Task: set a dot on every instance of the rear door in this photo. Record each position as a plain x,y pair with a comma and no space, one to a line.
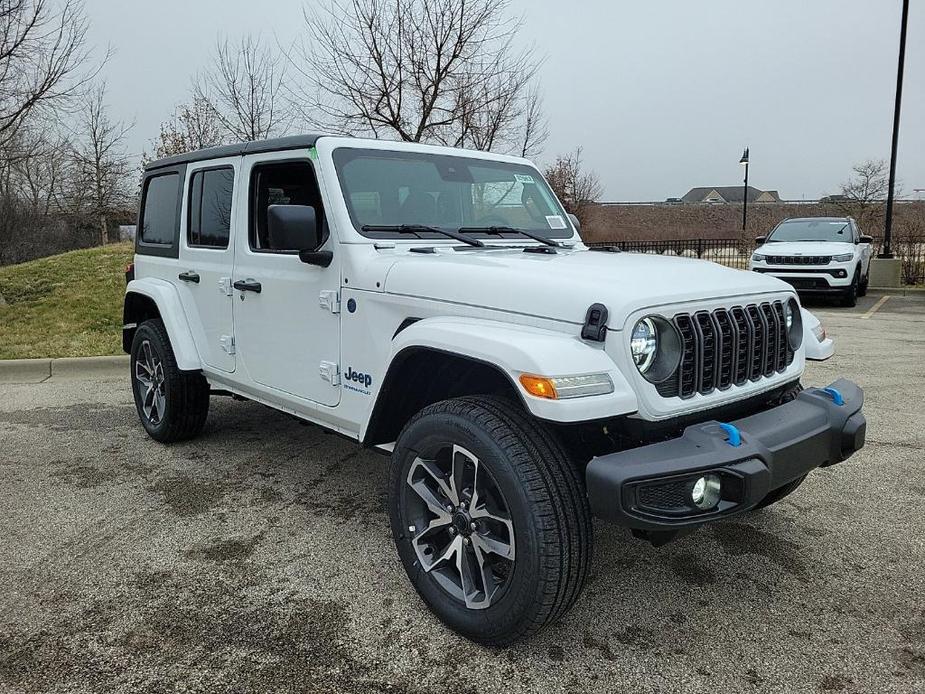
287,330
207,258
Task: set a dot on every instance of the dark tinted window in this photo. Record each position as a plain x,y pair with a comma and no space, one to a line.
159,219
285,183
210,207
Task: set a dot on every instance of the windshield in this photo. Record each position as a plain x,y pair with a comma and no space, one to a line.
812,230
386,188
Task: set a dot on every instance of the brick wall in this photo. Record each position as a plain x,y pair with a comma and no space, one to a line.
617,222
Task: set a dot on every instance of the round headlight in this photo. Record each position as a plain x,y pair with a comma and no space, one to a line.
644,344
794,320
656,348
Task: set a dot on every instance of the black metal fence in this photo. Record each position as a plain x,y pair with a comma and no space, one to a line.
735,252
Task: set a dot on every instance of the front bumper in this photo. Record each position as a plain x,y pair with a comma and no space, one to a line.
649,488
833,278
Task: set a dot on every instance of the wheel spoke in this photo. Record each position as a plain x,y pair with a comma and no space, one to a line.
458,469
161,403
147,403
454,547
489,582
429,467
149,358
492,545
142,373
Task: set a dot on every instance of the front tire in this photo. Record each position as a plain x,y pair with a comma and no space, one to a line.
862,288
850,297
172,404
490,518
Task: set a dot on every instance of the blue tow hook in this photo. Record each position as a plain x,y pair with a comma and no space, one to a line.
733,437
835,395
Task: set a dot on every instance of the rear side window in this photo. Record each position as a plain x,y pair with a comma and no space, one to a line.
210,208
159,216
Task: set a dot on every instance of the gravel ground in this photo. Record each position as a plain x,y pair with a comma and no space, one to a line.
258,558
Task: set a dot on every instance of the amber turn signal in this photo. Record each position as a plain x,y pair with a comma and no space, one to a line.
538,386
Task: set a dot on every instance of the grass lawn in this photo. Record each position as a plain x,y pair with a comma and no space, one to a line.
67,305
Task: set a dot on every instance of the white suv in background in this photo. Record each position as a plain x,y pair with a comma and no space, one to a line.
824,255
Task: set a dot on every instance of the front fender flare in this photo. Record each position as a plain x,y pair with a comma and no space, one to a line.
519,349
165,297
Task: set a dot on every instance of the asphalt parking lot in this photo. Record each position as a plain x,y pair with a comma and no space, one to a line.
258,558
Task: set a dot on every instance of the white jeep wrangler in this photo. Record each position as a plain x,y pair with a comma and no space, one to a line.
439,305
817,255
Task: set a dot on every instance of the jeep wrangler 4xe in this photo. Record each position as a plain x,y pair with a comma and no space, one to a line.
439,305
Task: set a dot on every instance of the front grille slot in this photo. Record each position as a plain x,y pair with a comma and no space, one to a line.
728,347
799,259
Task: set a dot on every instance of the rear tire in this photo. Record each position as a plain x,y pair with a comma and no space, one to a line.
172,404
541,519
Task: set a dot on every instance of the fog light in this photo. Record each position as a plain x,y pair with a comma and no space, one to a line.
705,492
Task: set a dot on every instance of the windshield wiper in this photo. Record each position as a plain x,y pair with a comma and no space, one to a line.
414,228
510,230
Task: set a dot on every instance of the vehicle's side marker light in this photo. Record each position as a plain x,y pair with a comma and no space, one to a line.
733,437
835,395
539,386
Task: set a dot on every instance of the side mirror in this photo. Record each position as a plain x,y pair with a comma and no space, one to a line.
760,240
319,258
864,238
292,228
575,222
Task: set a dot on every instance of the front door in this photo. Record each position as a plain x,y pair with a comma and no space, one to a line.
206,259
285,339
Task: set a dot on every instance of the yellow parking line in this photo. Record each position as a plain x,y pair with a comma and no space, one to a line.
876,307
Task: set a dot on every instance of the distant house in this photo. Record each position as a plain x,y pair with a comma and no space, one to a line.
729,194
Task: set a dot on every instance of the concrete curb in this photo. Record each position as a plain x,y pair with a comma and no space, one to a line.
64,368
898,291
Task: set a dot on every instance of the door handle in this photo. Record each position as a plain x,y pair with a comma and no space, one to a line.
189,276
248,285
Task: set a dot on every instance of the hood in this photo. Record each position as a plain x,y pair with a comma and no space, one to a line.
562,286
806,248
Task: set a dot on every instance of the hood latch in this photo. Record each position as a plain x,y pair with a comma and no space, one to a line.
595,327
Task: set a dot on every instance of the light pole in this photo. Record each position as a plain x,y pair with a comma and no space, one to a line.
744,162
887,251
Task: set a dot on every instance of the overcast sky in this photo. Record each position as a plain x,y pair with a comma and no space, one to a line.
662,95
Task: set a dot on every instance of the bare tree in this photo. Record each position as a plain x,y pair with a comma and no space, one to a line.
192,126
864,193
869,182
441,71
102,167
43,58
243,88
575,187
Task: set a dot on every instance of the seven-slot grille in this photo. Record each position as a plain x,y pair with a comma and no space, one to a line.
799,259
726,347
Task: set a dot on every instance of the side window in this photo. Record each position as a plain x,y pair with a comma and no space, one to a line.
283,183
159,212
209,219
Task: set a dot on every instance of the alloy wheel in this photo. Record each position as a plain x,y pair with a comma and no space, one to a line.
149,380
460,526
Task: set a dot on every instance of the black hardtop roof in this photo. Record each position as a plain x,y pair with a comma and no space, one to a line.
278,144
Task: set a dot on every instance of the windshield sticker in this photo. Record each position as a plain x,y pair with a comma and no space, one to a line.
555,221
523,178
